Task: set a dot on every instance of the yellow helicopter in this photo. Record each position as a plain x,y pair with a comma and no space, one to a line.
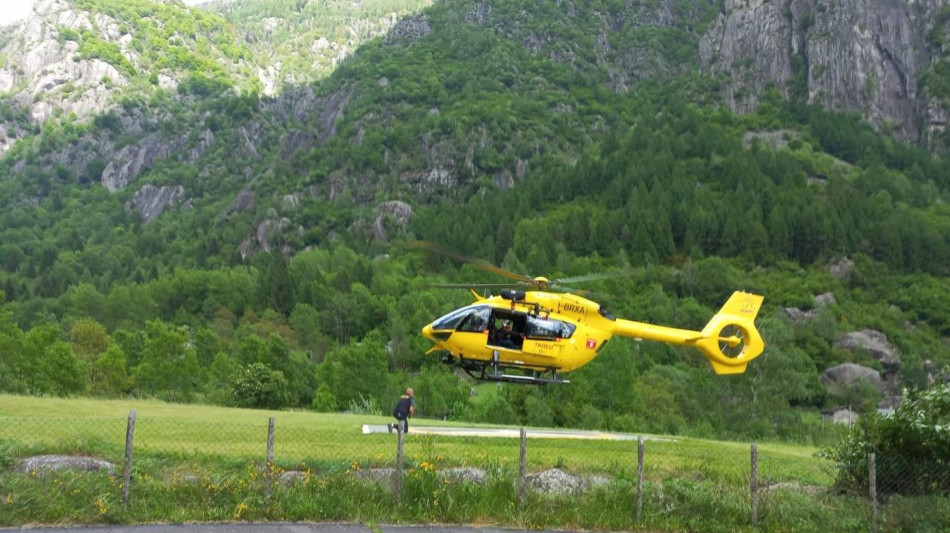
541,333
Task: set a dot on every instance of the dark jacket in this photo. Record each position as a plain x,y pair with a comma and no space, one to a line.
402,407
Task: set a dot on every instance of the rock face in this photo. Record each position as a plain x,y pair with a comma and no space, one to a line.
863,56
152,201
874,342
408,30
45,73
401,212
836,378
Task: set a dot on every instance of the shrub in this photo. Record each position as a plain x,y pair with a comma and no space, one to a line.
910,444
256,385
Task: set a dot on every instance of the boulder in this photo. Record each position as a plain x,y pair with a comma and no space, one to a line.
874,342
50,463
554,481
465,475
842,270
291,478
838,377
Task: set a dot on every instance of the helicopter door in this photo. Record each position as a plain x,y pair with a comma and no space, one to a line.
506,330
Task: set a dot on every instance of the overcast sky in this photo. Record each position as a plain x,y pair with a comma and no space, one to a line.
13,10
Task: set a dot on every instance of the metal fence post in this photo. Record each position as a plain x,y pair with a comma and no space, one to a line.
521,465
639,478
399,443
754,484
872,489
127,471
271,422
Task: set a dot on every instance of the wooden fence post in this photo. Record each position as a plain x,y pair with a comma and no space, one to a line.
271,422
754,484
127,471
639,478
522,460
872,489
398,473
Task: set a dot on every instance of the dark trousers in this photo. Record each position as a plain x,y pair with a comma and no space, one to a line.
403,420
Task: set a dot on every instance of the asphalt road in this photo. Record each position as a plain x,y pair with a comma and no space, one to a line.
266,528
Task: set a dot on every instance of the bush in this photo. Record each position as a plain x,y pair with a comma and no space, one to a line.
257,386
905,442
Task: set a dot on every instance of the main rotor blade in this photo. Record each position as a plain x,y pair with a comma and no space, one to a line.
589,277
484,265
476,285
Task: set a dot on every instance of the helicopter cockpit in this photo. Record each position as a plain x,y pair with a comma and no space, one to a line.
504,328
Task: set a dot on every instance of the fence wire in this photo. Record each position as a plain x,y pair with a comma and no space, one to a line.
680,482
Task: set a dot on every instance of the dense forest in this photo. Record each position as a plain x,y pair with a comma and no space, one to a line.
512,150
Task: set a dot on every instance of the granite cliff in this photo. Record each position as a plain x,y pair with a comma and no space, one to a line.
873,57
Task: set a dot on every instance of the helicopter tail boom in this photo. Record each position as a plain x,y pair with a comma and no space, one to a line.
729,340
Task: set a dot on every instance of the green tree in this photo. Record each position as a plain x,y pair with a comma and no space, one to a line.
260,387
111,371
169,367
65,373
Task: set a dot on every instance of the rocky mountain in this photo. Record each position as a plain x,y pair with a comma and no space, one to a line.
209,168
304,41
885,59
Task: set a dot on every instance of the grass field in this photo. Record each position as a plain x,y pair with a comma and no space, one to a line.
99,426
195,463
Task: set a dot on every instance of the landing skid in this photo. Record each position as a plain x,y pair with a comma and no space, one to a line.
494,371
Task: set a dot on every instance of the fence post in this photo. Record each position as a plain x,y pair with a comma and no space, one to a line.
639,478
872,489
521,465
398,473
754,484
271,422
127,471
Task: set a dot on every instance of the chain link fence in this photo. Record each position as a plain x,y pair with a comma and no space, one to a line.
220,468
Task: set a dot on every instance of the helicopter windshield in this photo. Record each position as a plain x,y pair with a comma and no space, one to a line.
452,320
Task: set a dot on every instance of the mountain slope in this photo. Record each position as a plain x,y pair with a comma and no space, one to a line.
555,138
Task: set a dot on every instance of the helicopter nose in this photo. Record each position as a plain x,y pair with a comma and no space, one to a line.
427,332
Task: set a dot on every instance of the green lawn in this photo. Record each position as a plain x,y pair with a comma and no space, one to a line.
99,426
195,463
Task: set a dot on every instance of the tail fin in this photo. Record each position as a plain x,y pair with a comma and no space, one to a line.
730,339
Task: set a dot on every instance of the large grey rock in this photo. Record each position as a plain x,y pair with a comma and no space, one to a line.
554,481
874,342
480,13
152,201
863,56
400,211
408,30
842,270
825,299
465,475
836,378
42,464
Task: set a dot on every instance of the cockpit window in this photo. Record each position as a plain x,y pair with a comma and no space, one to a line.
476,321
453,319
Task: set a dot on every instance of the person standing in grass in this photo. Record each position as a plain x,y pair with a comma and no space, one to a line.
405,407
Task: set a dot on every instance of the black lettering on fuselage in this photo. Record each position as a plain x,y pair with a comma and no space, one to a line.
573,308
